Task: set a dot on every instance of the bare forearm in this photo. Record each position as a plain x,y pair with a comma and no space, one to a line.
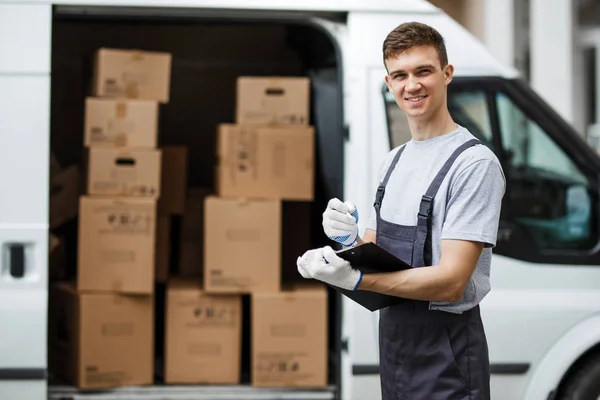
433,283
368,237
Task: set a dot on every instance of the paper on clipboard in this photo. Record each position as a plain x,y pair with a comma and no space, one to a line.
370,258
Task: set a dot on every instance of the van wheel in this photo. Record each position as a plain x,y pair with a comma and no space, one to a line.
584,383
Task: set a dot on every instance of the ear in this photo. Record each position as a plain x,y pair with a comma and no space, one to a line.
388,83
448,73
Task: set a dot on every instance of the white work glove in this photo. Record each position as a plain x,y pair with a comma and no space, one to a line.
340,222
326,266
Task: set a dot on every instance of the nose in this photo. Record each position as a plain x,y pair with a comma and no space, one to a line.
412,84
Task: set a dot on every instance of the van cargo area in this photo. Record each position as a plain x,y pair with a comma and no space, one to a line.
209,51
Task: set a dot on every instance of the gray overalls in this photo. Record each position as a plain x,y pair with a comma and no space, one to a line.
427,354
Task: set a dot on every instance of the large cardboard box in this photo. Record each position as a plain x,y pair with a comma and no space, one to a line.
123,172
163,248
266,162
203,335
242,245
100,340
289,338
173,181
121,122
191,234
64,196
273,100
133,74
116,244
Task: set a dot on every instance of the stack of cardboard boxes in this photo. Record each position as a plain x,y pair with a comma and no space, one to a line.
237,242
265,173
102,326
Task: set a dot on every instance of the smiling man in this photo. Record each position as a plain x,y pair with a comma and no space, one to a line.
437,208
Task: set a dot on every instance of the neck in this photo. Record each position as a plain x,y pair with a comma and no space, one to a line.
432,126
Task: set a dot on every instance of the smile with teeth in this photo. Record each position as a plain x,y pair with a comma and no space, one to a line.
415,99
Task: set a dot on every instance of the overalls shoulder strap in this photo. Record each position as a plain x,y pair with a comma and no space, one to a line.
426,207
382,185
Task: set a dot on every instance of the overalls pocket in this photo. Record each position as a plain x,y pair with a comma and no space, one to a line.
401,247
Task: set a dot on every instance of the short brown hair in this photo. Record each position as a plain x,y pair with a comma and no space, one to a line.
413,34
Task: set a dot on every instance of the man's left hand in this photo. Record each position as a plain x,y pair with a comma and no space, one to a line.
324,265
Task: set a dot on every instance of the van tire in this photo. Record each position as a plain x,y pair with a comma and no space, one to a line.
584,382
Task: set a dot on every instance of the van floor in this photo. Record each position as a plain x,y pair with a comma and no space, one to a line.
191,393
208,56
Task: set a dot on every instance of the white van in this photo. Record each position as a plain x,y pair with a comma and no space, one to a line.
542,316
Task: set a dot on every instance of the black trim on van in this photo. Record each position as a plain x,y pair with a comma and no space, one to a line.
365,369
509,368
23,374
495,369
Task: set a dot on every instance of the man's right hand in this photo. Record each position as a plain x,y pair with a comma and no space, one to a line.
340,222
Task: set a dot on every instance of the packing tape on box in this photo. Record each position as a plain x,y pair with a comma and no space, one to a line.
121,140
243,201
137,55
121,109
117,286
132,90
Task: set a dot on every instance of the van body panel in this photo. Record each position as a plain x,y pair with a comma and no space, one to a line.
24,198
296,5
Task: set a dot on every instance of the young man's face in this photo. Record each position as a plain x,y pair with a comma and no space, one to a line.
418,81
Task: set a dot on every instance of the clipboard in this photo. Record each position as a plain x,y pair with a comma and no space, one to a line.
370,258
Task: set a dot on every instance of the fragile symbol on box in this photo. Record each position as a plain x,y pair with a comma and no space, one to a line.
145,190
293,119
219,314
279,366
245,150
131,220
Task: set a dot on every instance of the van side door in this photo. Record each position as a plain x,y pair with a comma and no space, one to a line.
25,31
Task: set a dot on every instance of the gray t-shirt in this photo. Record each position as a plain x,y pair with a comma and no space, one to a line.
466,207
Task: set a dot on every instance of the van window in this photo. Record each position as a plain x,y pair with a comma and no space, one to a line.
549,195
470,109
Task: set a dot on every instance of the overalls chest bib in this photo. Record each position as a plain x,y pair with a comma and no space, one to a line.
427,354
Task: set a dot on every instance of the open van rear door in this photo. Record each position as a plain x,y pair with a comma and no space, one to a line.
24,153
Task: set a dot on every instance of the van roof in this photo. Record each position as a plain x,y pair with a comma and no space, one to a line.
298,5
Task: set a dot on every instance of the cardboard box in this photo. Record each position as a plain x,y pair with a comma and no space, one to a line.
203,335
266,162
242,245
64,196
123,172
116,244
121,122
273,100
289,338
100,340
133,74
163,248
173,181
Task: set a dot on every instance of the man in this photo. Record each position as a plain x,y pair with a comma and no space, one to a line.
437,208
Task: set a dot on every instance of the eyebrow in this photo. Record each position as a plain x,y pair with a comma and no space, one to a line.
430,66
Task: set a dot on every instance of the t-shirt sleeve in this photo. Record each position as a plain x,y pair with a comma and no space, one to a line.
474,203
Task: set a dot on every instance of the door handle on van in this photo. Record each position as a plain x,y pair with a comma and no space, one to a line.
16,256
